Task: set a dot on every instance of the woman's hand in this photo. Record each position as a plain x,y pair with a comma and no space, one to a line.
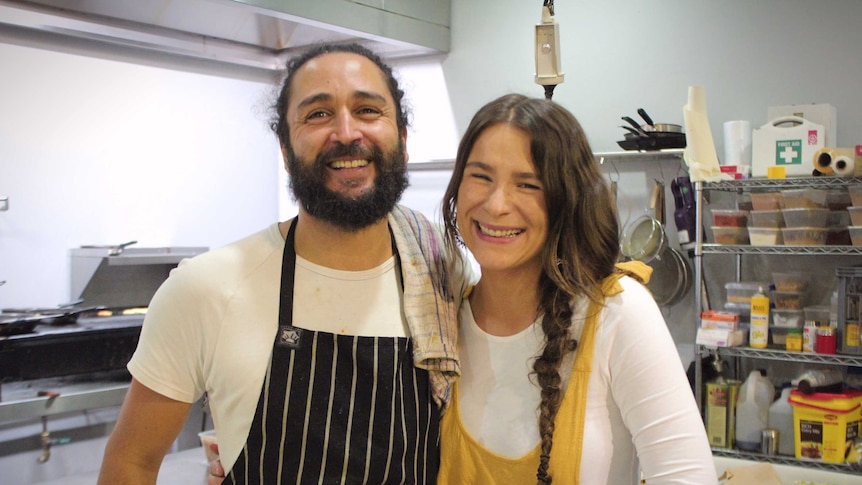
216,471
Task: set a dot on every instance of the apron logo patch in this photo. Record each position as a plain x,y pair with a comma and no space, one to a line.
288,336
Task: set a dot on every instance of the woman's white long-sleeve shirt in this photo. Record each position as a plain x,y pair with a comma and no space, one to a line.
640,407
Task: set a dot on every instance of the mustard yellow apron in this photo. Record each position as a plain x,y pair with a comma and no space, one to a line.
464,460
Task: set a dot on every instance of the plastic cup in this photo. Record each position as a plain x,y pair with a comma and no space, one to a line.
209,438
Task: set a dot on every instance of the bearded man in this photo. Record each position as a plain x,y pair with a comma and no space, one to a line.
325,343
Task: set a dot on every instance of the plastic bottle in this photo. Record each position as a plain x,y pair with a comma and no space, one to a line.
759,334
809,336
752,410
827,380
781,418
683,215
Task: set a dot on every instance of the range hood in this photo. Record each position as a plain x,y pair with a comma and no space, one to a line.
256,34
102,276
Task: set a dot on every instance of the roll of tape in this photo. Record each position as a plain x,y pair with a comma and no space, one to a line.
823,160
844,166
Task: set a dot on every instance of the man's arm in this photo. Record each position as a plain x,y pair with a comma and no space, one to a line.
148,424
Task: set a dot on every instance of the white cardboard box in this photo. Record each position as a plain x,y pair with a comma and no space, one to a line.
717,337
821,114
788,142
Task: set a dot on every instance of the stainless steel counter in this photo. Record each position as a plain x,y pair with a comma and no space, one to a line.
187,467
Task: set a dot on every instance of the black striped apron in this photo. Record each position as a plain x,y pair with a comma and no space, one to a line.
339,409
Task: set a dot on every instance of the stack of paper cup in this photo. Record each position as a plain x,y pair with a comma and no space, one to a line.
737,143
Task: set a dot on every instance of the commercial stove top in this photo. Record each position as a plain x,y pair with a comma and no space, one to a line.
102,277
92,344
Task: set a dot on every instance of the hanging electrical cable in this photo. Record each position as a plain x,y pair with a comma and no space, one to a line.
547,40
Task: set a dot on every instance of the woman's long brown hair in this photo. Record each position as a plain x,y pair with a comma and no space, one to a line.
583,231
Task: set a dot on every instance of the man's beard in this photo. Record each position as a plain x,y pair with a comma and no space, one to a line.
308,185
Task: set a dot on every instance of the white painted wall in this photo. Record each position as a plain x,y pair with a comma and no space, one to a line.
95,151
620,55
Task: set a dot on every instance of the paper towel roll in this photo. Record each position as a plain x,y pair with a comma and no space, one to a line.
697,98
699,153
737,143
823,160
844,166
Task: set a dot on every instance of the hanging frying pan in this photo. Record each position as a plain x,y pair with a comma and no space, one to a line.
671,277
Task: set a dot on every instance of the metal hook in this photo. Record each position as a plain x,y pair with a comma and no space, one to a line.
660,170
45,441
614,166
682,168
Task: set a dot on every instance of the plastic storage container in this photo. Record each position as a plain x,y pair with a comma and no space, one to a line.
804,236
741,292
743,309
824,424
788,318
743,202
804,198
805,217
791,281
730,235
768,201
788,300
771,219
855,192
855,235
838,199
855,215
781,418
778,337
765,236
838,236
817,313
752,410
838,218
729,218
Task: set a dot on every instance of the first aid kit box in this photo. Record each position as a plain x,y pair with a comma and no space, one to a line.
817,113
788,142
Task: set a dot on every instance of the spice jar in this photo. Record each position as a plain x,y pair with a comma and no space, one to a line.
827,341
793,343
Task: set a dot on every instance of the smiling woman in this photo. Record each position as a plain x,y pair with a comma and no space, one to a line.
501,204
554,325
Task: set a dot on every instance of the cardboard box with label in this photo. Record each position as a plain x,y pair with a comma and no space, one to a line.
788,142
